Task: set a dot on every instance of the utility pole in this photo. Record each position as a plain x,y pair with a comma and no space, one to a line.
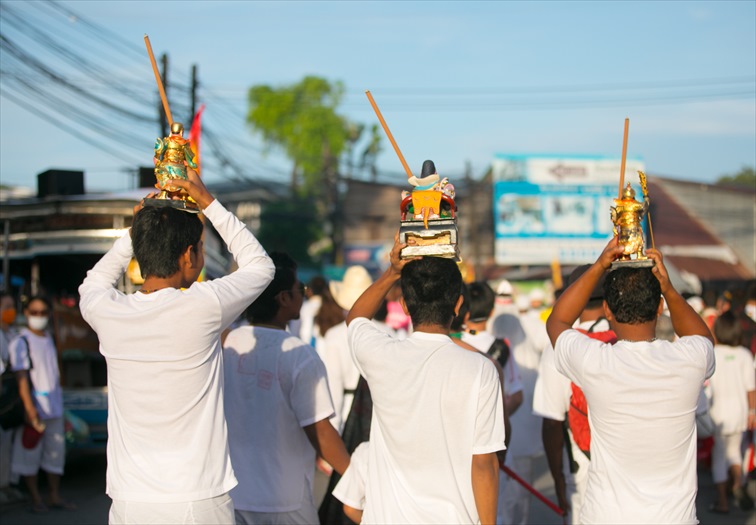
193,96
164,131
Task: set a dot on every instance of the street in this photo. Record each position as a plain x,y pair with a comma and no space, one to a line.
84,484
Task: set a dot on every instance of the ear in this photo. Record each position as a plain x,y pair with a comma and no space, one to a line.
458,305
607,312
404,305
189,257
467,317
660,309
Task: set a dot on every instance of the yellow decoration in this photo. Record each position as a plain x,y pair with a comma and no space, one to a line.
426,202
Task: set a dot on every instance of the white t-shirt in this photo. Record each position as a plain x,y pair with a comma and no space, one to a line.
343,374
308,330
275,385
166,426
482,341
350,489
642,398
730,385
434,407
44,373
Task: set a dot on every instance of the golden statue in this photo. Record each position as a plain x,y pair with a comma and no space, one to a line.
627,216
172,155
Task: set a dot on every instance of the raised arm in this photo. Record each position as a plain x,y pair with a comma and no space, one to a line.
255,269
369,302
685,320
570,305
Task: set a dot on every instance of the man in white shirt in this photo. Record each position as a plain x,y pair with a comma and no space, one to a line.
167,447
551,401
642,392
278,409
438,415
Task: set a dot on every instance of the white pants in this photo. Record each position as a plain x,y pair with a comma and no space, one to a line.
576,483
218,510
49,454
514,499
726,452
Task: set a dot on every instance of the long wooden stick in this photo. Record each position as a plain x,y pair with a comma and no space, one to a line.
159,81
624,157
651,230
388,133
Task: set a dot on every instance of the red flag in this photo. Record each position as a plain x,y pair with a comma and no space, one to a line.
194,136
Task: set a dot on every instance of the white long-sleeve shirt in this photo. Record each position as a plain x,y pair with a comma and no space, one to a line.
167,437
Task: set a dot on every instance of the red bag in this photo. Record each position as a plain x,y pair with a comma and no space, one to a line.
577,415
30,437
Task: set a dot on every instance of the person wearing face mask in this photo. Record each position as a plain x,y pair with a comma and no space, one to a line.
8,494
40,443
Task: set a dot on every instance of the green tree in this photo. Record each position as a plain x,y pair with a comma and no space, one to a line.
745,177
302,120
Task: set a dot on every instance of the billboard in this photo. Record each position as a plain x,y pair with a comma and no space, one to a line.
555,207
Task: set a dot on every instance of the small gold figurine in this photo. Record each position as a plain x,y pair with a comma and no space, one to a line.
172,155
627,215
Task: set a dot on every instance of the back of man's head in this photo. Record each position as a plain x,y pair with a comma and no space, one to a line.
727,330
160,236
431,287
632,294
482,298
265,307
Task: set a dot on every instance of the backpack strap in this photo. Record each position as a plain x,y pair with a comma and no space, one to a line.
499,350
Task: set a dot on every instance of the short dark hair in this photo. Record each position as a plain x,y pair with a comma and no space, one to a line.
265,307
160,235
431,287
42,298
482,298
632,294
727,329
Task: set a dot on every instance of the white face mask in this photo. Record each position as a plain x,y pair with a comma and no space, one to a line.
38,322
750,311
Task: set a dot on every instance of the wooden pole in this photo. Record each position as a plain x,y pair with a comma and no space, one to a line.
159,81
651,230
624,157
388,133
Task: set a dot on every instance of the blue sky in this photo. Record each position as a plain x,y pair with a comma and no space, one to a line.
456,81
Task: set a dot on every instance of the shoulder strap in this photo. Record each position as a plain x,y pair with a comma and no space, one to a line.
593,326
28,353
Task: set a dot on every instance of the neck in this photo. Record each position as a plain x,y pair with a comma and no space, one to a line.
277,323
478,327
36,332
635,332
432,329
153,284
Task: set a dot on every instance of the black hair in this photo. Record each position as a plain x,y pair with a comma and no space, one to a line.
265,307
632,294
431,287
459,320
727,329
317,284
160,236
482,298
42,298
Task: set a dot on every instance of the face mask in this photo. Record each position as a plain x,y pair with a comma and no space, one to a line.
8,316
38,322
750,311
